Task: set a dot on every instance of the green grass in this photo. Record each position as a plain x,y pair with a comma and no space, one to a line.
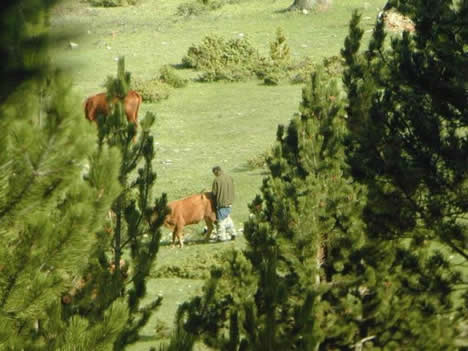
194,135
150,35
196,260
203,124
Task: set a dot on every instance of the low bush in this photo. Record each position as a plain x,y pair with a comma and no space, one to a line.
186,272
152,90
332,68
198,7
204,55
237,59
279,51
272,78
198,267
258,161
334,65
188,9
302,70
275,67
112,3
162,330
231,60
168,75
212,4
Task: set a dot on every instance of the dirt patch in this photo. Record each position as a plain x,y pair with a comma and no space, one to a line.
396,22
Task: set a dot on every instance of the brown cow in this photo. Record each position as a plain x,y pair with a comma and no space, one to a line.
97,104
190,210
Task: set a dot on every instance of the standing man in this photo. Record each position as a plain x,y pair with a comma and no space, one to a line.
223,193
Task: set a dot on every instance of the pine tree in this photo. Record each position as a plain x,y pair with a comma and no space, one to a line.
129,242
48,213
318,271
279,51
285,291
407,113
412,135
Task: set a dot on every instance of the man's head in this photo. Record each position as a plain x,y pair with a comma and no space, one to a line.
216,170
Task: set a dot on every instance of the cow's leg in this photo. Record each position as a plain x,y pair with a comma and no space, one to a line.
174,235
178,235
173,238
210,227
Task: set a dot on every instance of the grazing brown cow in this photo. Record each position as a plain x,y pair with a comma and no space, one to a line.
97,104
190,210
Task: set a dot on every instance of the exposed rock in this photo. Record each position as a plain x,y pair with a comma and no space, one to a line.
396,22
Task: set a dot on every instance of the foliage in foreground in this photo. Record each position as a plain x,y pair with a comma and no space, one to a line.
409,146
129,243
48,213
112,3
331,264
275,294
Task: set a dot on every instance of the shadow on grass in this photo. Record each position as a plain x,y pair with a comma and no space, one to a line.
179,66
285,10
246,168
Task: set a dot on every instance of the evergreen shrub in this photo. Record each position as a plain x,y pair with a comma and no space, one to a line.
275,67
197,267
300,72
112,3
212,4
173,271
280,53
169,76
162,330
334,66
128,243
188,9
151,90
236,60
198,7
231,60
258,161
273,77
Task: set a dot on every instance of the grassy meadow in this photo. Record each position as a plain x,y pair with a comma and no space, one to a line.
203,124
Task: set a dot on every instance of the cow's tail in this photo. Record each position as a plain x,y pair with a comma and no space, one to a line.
87,108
